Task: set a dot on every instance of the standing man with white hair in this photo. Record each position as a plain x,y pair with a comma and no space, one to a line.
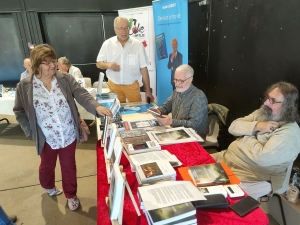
125,60
187,103
64,65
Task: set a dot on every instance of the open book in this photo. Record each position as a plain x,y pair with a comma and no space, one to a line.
175,135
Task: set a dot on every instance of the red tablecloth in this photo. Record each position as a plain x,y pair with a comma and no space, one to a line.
189,154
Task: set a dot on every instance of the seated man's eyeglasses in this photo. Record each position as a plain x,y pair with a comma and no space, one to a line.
48,63
122,28
273,101
181,81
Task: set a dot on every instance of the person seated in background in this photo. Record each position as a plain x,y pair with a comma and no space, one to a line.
64,65
187,103
27,66
268,141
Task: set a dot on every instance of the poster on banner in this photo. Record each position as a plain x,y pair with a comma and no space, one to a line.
171,41
141,27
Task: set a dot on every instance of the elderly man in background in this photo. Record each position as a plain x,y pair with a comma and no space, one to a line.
27,66
64,65
187,103
268,142
125,60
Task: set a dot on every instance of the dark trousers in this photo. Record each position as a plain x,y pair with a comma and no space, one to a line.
68,168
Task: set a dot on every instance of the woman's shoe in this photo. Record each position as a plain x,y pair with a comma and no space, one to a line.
54,191
73,203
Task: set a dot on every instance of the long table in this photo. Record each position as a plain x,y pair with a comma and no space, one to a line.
189,154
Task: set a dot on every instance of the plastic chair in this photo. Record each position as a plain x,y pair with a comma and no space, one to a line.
104,85
212,136
88,82
284,187
4,119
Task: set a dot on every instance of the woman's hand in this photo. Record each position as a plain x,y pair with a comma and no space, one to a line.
101,110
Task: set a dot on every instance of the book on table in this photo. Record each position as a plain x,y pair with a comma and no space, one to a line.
175,135
153,156
110,140
155,171
169,193
105,129
147,124
212,201
115,157
140,147
205,175
211,190
116,193
183,213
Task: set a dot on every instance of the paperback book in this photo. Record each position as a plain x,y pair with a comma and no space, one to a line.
211,190
175,135
115,157
116,193
205,175
155,171
153,156
110,140
134,136
172,214
141,147
148,125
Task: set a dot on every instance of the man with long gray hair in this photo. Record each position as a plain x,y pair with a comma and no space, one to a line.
268,142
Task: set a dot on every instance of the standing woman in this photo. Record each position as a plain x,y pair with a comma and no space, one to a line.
45,109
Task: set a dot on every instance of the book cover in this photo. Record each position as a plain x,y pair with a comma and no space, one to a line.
105,129
141,147
155,170
175,135
115,157
212,201
116,190
161,48
134,136
110,140
148,124
209,174
171,213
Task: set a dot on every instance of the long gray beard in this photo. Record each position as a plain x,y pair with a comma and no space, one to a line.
265,114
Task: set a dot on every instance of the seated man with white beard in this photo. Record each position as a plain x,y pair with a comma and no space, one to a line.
268,141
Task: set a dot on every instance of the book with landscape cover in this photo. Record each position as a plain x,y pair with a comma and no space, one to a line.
175,135
134,136
115,157
205,175
171,214
159,170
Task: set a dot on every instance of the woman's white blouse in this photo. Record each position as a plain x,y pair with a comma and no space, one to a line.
53,114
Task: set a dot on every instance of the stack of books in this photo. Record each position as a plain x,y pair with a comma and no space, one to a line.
169,202
153,172
137,141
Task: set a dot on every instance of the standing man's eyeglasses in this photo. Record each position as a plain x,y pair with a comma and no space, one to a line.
122,28
181,81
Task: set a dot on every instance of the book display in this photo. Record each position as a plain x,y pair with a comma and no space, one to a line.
155,171
175,135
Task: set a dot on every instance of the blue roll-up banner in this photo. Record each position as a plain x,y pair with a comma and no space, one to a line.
171,36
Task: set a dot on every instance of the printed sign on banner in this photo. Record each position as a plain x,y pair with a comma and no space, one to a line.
171,36
142,29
